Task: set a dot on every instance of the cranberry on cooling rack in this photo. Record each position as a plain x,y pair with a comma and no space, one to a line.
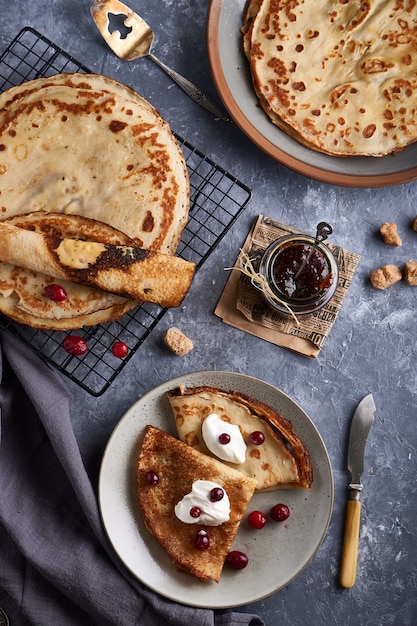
75,345
119,349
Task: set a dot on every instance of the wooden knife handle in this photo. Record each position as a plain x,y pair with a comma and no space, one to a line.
350,544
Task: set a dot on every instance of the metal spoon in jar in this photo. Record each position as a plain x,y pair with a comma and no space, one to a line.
130,37
323,231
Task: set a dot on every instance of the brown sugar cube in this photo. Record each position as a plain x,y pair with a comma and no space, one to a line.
385,276
414,224
177,341
390,235
410,273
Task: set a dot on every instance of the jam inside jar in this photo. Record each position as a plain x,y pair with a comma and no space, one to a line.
299,273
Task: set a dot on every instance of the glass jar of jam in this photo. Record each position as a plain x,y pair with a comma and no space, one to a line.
300,272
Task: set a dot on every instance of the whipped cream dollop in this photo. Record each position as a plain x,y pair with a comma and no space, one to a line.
211,513
235,450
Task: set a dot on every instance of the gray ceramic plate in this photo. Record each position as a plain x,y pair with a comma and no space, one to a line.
277,553
232,77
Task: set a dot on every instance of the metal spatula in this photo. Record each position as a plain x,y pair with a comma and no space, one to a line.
130,37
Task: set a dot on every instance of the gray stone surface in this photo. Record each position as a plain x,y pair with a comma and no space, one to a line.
371,347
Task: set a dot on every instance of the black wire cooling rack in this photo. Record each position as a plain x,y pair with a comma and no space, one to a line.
217,199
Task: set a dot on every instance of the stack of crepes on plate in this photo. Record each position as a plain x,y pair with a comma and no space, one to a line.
84,159
338,77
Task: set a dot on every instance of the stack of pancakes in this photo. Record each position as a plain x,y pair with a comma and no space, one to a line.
338,77
85,157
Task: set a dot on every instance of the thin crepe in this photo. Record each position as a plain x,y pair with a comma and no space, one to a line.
178,466
340,77
22,291
281,462
125,270
85,144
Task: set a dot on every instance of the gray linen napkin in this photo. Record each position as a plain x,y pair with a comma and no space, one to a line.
56,566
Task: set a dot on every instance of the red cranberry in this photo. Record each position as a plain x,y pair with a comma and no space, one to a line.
280,512
257,438
237,560
202,540
195,511
224,438
152,478
257,519
55,292
216,494
75,345
119,349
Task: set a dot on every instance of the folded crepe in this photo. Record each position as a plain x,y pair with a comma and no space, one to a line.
129,271
178,466
282,461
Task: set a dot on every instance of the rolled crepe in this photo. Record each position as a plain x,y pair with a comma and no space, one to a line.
128,271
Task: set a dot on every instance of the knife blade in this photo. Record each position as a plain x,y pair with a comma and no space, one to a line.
362,421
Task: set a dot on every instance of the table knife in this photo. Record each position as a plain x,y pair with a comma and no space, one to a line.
361,423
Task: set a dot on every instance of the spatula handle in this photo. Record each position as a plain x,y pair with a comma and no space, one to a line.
191,90
350,544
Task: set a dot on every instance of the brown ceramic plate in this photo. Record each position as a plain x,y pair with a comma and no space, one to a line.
231,74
